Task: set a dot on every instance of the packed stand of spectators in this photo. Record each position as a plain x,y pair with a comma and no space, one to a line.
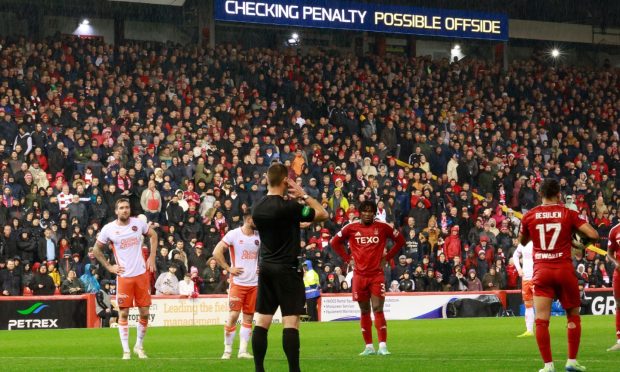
187,133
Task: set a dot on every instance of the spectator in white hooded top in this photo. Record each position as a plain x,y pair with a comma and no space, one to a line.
167,283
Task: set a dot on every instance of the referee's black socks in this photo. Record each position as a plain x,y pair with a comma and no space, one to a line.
259,347
290,344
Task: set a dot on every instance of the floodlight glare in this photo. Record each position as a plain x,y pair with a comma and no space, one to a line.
85,22
555,53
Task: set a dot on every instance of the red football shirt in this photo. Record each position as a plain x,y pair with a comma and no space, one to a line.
613,246
367,244
550,227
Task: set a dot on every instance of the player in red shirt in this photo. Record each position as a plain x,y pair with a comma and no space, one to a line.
550,227
367,239
613,254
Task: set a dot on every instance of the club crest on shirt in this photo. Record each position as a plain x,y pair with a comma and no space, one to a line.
240,241
121,297
134,228
376,231
257,242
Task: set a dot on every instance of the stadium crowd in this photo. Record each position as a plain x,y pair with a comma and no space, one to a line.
187,134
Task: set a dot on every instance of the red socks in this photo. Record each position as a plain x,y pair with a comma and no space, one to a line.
544,340
573,332
366,323
381,326
618,323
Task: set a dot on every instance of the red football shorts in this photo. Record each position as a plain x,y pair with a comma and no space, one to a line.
134,291
527,290
616,282
558,282
362,287
242,298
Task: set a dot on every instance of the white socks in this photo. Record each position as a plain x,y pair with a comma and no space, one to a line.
142,326
229,336
529,319
123,331
244,335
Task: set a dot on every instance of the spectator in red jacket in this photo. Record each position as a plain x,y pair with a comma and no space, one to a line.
512,275
452,244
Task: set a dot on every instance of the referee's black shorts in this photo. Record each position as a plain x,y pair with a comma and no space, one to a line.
280,285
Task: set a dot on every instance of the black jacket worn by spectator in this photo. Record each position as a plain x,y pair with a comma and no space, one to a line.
504,241
191,230
75,284
99,212
161,263
433,285
444,269
420,282
4,214
406,285
79,245
210,239
26,248
79,211
11,281
55,161
200,262
26,278
9,131
8,246
399,271
458,284
110,199
174,213
212,279
527,197
421,215
47,283
482,268
331,286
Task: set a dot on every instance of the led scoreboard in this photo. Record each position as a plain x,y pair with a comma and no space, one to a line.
373,17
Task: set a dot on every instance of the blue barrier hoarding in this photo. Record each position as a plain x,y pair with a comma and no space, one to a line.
372,17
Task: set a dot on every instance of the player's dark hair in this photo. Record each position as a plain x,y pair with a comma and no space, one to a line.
120,201
247,215
368,204
549,188
276,174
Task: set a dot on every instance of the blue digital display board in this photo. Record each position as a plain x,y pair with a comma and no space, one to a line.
372,17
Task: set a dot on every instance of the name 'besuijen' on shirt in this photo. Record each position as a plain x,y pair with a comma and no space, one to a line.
548,215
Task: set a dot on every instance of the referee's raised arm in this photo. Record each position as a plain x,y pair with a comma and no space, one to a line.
295,191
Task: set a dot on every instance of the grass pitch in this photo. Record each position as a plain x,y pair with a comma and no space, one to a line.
480,344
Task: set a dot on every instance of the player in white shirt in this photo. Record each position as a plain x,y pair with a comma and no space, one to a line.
125,235
526,272
243,243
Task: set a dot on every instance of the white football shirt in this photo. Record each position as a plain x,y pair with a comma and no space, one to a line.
528,260
126,243
244,254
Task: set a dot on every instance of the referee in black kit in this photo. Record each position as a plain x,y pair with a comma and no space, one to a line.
280,278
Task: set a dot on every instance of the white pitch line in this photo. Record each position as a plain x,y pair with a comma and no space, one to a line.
400,356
